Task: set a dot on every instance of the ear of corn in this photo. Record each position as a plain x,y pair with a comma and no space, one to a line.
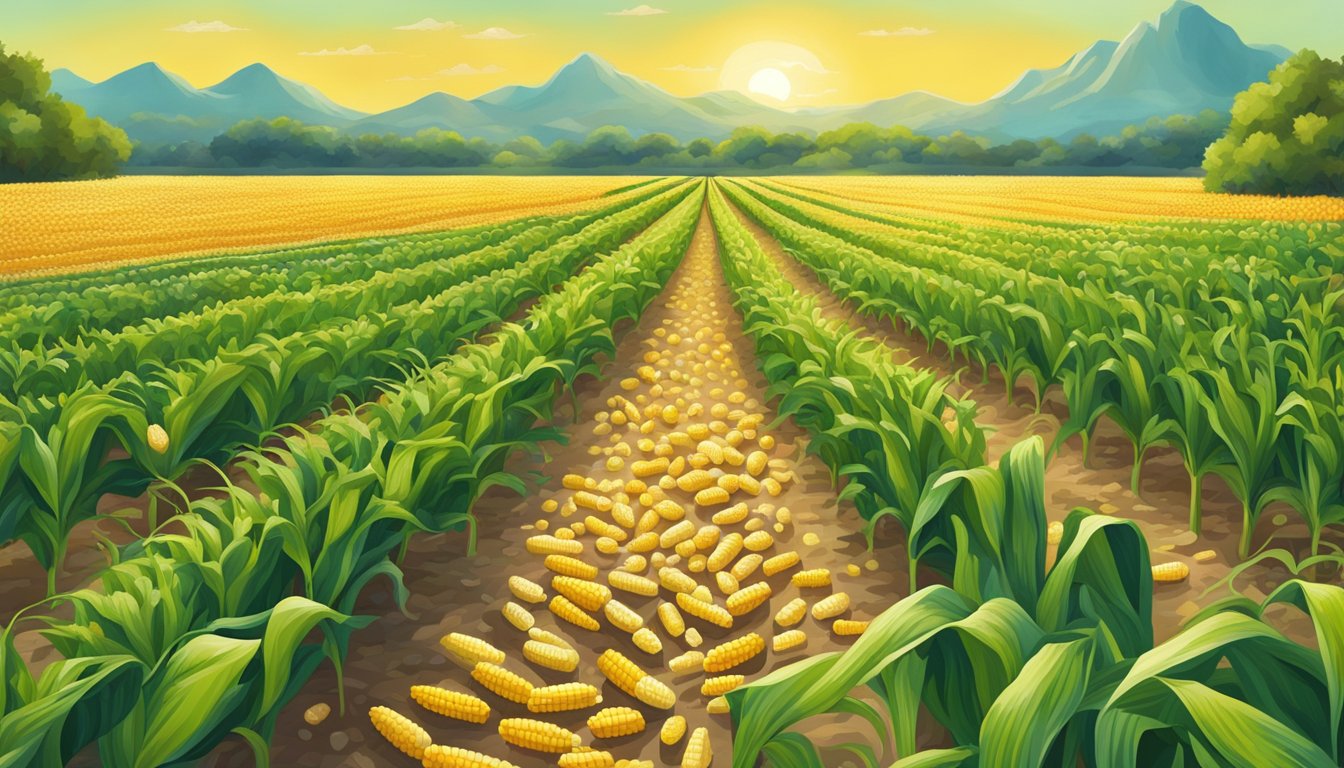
526,590
698,753
690,661
706,537
748,599
849,627
671,619
549,638
563,697
780,562
785,641
726,583
727,549
830,607
537,735
674,580
588,595
623,617
818,577
734,652
655,693
615,722
730,515
569,566
400,731
545,544
673,729
467,650
746,566
710,497
564,609
709,612
644,542
621,671
676,534
438,756
695,480
758,541
502,682
646,641
551,656
518,616
459,706
717,686
601,527
586,758
1171,572
632,583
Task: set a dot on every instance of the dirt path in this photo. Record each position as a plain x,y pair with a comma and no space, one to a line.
451,592
1160,509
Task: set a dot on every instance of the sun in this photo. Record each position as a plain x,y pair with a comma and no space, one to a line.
770,82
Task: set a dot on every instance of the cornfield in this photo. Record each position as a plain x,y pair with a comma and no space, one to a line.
746,502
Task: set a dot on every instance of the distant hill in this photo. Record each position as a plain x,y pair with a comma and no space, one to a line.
1185,62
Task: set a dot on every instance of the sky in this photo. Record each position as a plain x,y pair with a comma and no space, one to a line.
374,56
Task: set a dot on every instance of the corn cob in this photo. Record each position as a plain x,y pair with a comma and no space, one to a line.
678,466
569,566
673,729
817,577
518,616
729,483
644,542
588,595
1205,555
717,686
647,523
758,541
846,627
698,753
607,545
551,656
635,564
537,735
711,496
718,706
632,583
653,692
565,534
685,548
753,525
747,599
437,756
576,482
690,661
549,638
601,527
563,697
771,486
502,682
649,468
832,606
726,583
623,515
675,581
746,566
748,485
646,641
706,537
705,611
623,617
695,480
400,731
792,612
459,706
693,638
678,533
526,590
730,654
729,515
671,619
669,510
544,544
467,650
615,722
728,548
785,641
1169,572
621,671
563,608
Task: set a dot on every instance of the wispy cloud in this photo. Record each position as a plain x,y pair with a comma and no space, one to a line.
638,10
494,33
458,70
194,26
359,50
688,68
426,25
902,32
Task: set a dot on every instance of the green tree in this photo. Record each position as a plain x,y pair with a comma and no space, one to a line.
42,136
1287,135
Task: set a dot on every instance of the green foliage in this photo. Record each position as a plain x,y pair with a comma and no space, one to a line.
43,137
1286,135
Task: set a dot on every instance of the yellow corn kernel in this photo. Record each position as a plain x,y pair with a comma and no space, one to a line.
717,686
655,693
783,562
607,545
551,656
632,583
730,515
574,482
758,541
846,627
706,537
718,706
1205,555
733,457
565,534
669,510
563,697
673,729
459,706
623,514
537,735
832,606
526,590
677,468
746,566
564,609
748,485
771,486
755,463
695,480
671,619
693,637
592,501
748,599
670,415
400,731
709,612
438,756
685,548
645,542
518,616
693,434
1169,572
629,384
646,641
690,661
785,641
817,577
711,496
615,722
623,617
569,566
726,583
682,531
698,461
467,650
784,516
698,753
734,652
578,528
729,483
548,637
702,593
586,757
635,564
792,612
502,682
647,522
728,548
649,468
601,527
588,595
543,544
767,442
753,525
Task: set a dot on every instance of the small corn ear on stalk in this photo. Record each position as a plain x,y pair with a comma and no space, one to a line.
502,682
400,731
675,580
615,722
459,706
792,612
690,661
588,595
644,542
549,638
526,590
537,735
758,541
545,544
673,729
671,619
695,480
623,617
646,641
747,599
717,686
649,468
734,652
438,756
682,531
632,583
698,753
589,500
518,616
157,438
711,496
467,650
729,515
620,670
785,641
706,537
551,656
563,697
847,627
709,612
569,566
728,548
655,693
1169,572
832,606
817,577
563,608
670,510
726,583
601,527
746,566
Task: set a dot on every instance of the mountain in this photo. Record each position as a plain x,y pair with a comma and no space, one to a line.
258,90
64,81
437,110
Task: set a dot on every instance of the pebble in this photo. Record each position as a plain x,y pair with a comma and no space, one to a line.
305,734
339,740
1112,488
1184,538
1166,547
871,565
1187,609
1108,508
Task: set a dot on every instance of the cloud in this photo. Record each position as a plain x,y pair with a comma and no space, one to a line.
902,32
194,26
494,33
638,10
359,50
426,25
688,68
467,69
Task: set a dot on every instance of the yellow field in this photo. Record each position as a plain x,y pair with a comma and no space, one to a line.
1100,199
85,224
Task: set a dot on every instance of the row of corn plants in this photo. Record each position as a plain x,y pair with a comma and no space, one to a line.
57,459
1021,663
196,637
1235,389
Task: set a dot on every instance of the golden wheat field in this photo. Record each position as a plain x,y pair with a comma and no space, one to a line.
60,226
